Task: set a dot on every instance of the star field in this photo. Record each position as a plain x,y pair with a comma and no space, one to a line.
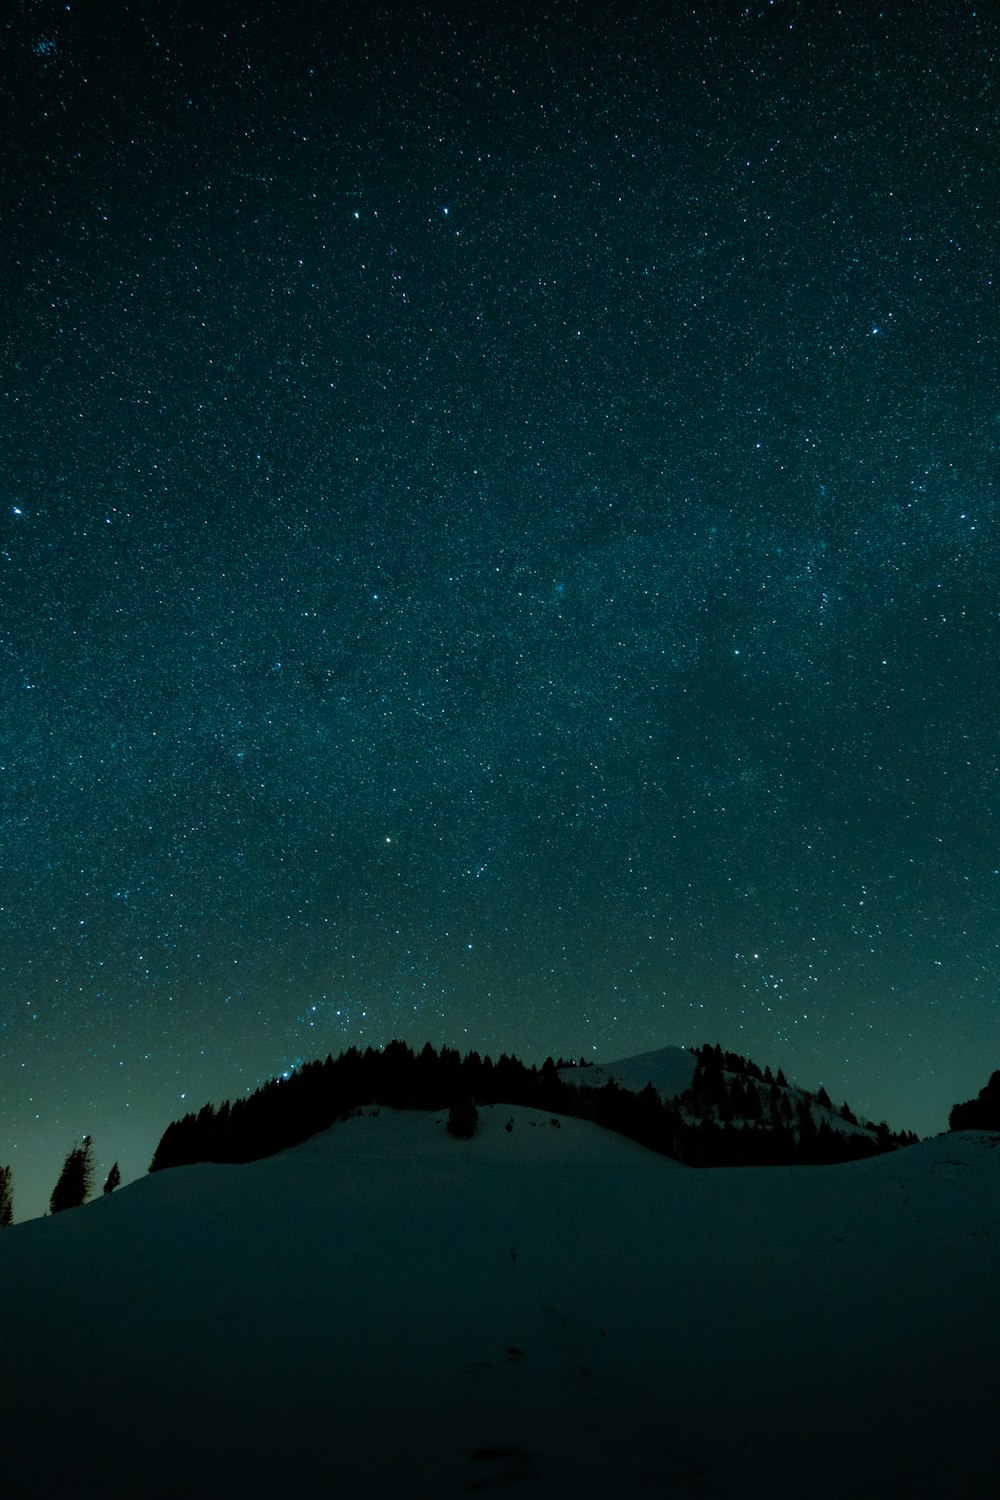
498,546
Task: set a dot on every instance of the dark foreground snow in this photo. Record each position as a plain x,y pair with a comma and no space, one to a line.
347,1319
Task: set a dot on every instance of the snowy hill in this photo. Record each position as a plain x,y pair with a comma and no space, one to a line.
673,1071
552,1311
669,1069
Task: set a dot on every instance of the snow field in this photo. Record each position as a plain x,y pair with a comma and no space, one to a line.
348,1317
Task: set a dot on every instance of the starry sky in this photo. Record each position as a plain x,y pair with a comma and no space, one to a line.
498,546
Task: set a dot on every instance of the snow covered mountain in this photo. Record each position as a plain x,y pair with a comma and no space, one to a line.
548,1310
674,1071
669,1069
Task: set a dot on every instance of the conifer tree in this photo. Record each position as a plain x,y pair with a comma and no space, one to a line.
75,1179
6,1199
463,1119
113,1179
804,1120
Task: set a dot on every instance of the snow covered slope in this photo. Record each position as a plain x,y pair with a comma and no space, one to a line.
669,1069
549,1311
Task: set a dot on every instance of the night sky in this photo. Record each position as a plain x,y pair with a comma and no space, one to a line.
498,546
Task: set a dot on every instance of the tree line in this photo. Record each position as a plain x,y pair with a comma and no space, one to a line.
734,1114
981,1113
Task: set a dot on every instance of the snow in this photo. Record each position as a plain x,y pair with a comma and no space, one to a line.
348,1318
669,1069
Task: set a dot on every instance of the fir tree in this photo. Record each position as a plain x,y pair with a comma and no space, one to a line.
463,1119
75,1179
6,1199
804,1120
113,1179
753,1108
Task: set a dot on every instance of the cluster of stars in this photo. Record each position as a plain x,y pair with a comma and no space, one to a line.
500,548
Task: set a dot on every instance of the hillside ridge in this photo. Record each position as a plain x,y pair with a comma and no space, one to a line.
729,1113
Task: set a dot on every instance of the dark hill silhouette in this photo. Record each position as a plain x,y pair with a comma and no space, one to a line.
733,1114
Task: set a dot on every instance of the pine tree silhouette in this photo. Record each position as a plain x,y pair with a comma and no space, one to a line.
463,1119
6,1199
113,1179
75,1179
